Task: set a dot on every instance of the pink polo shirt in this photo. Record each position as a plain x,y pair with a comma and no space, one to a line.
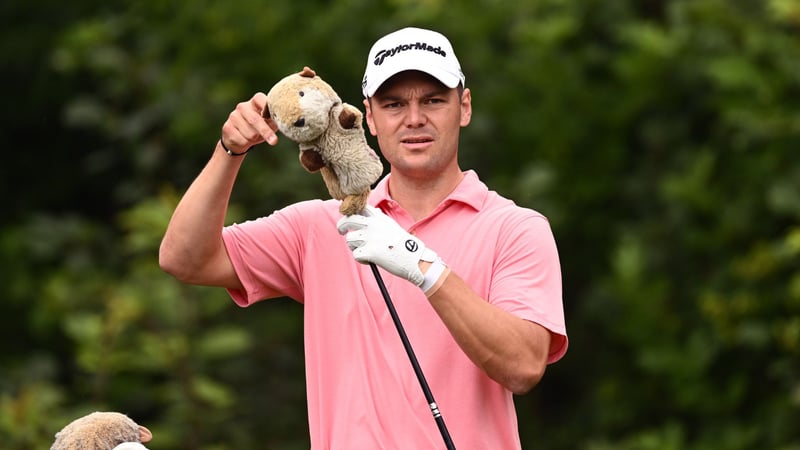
361,389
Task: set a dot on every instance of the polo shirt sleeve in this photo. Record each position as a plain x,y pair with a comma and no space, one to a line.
527,277
267,254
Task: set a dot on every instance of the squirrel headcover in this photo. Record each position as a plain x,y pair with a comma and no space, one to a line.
102,431
330,134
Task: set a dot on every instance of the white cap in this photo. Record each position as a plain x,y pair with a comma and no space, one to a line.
411,49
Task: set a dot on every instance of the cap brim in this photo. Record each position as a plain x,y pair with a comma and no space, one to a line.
446,77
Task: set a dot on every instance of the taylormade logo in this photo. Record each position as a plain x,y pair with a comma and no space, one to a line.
383,54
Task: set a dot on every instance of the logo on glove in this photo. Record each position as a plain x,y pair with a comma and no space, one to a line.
411,245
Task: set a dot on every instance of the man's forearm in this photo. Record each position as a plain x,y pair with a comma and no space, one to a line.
511,350
192,248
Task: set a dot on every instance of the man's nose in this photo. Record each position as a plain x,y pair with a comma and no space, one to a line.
415,116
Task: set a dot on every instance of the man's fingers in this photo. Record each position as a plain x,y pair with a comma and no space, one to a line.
232,136
247,118
271,123
356,239
350,223
360,255
370,210
237,132
245,127
258,117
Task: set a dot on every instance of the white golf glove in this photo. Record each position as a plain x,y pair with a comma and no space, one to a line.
375,238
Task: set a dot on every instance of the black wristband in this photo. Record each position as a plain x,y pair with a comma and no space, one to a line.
228,151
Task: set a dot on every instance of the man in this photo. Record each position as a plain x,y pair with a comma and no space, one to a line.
475,279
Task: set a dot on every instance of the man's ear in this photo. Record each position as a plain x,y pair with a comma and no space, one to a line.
368,116
466,107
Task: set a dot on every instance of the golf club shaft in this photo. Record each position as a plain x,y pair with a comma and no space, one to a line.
437,415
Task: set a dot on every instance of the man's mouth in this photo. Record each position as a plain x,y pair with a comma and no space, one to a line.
420,140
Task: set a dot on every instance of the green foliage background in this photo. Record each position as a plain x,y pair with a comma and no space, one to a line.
660,137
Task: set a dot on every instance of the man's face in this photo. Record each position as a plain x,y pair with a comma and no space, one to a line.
417,122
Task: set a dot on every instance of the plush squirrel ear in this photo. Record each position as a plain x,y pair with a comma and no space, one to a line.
347,119
144,434
307,72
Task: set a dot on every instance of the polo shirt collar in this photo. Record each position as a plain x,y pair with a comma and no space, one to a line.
470,191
